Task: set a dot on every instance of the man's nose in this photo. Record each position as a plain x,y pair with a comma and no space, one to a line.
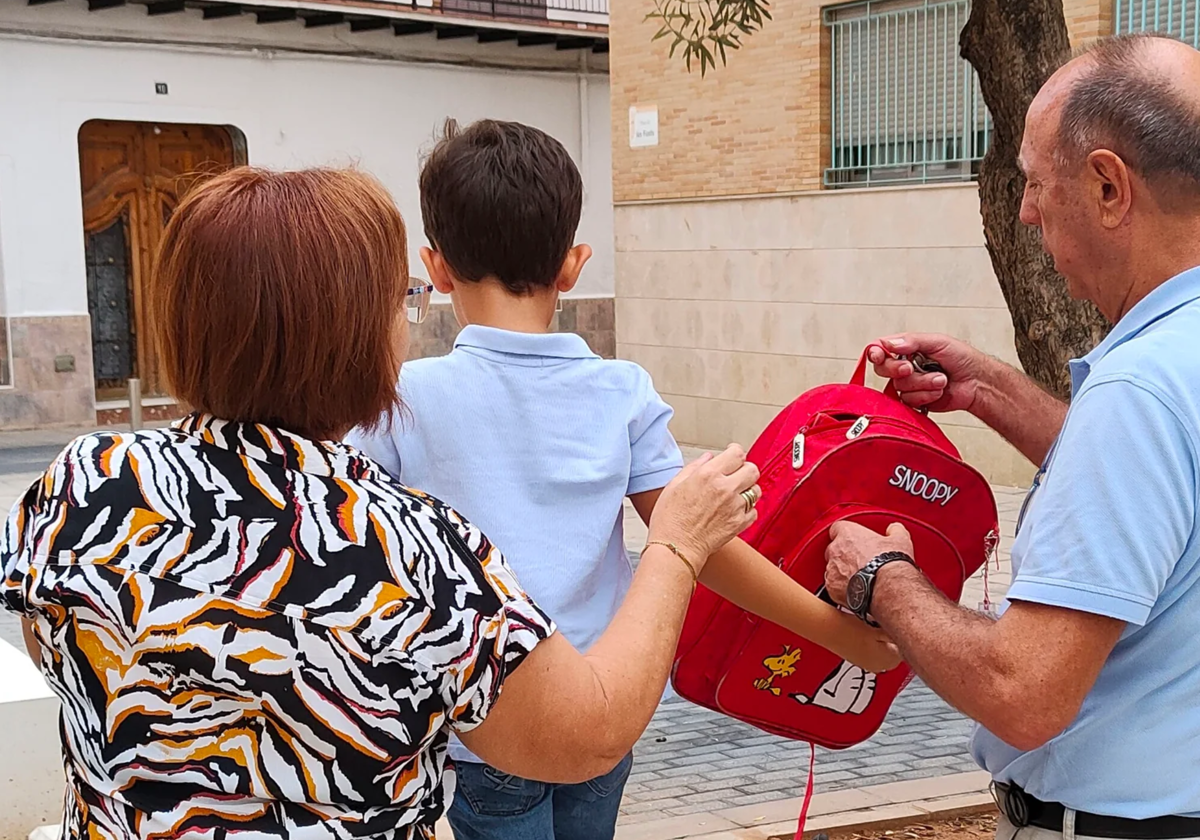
1029,212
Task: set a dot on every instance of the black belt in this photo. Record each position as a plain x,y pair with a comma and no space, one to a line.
1023,810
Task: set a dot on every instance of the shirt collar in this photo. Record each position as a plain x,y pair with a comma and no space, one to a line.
280,448
545,345
1179,291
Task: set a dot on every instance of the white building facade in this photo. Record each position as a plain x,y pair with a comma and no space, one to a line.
107,107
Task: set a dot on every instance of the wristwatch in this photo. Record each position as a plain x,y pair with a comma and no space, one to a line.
862,585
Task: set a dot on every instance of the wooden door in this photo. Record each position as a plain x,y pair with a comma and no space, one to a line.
133,177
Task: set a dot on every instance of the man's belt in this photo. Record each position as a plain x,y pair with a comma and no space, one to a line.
1023,810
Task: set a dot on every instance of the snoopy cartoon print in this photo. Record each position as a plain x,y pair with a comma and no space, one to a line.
848,690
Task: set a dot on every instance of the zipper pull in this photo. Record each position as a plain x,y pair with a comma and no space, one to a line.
798,451
860,426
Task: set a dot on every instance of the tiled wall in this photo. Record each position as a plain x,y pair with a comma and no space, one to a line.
737,306
41,396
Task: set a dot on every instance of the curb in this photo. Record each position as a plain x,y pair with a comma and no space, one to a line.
876,807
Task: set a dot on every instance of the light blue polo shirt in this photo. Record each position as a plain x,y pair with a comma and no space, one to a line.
537,441
1112,530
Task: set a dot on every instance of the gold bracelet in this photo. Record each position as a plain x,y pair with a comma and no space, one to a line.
675,550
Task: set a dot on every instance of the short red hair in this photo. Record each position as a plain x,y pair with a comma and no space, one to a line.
275,298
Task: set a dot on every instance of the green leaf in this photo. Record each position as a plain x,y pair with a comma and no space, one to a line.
704,26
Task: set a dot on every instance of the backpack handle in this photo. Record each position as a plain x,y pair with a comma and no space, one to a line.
860,373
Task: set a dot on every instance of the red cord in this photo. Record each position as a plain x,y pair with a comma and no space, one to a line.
808,791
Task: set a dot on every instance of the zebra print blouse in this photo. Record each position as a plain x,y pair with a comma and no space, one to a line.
254,632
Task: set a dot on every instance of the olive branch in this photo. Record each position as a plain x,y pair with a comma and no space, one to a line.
707,28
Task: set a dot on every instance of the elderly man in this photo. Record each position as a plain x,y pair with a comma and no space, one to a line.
1087,688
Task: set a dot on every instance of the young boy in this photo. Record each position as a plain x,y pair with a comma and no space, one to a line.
538,440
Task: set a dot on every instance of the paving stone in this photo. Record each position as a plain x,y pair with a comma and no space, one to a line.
756,798
885,769
652,805
692,760
669,782
938,761
723,784
677,792
697,808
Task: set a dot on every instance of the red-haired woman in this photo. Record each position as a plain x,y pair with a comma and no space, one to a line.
252,629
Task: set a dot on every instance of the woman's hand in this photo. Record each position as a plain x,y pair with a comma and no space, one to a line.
703,507
878,653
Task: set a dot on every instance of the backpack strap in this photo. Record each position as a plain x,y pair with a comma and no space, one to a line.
860,373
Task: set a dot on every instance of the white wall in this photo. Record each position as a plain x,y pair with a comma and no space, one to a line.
295,110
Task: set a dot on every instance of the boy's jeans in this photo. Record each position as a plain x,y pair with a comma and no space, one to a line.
490,805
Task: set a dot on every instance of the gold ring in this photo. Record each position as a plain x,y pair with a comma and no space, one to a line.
751,497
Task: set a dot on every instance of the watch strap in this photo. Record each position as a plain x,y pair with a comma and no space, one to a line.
870,572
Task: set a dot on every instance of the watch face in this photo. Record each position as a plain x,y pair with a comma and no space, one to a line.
856,592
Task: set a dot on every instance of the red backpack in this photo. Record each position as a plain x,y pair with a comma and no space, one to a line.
837,452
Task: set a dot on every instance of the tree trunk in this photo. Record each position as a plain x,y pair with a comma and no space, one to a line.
1015,45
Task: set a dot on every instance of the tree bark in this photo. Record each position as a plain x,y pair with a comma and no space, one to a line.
1015,45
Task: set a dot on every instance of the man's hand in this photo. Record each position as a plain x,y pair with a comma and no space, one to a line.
853,547
953,390
999,395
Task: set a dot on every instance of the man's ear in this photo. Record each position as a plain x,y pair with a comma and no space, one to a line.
1110,186
572,267
439,273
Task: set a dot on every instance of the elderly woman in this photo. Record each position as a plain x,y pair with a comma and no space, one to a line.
251,627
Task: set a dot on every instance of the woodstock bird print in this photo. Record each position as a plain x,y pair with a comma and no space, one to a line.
783,665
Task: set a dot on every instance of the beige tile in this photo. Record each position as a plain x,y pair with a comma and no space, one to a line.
942,786
675,827
875,814
989,330
876,218
745,377
717,423
824,330
961,802
936,277
789,809
873,218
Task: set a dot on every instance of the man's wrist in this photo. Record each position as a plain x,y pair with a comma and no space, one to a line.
992,386
890,582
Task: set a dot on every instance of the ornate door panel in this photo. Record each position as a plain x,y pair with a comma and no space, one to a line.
110,302
133,176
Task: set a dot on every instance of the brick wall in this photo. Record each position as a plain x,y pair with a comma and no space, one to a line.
751,127
755,127
1088,20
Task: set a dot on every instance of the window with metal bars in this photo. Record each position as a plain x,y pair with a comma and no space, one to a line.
1180,18
905,108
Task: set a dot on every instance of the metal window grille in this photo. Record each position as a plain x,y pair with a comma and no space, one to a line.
1180,18
905,107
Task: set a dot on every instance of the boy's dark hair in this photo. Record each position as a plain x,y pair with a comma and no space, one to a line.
501,199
